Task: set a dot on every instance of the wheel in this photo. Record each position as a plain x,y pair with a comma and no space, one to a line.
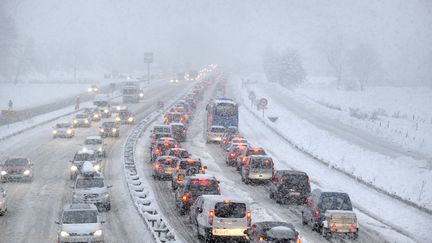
108,207
271,195
304,221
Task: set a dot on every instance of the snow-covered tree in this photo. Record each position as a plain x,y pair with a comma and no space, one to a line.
364,64
333,51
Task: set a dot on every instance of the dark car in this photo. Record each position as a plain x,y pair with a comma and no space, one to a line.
233,153
319,202
178,131
162,147
109,129
193,187
164,167
272,231
125,117
17,169
241,158
290,186
186,167
180,153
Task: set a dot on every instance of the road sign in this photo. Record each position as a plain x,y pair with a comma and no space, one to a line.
263,102
8,112
148,57
252,96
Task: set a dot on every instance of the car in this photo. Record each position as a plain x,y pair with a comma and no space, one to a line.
242,157
330,213
220,217
93,89
105,111
215,134
3,201
180,153
162,147
63,130
226,140
232,130
91,188
272,231
96,114
82,120
17,169
257,168
80,223
290,186
101,100
159,131
193,187
178,130
125,117
233,153
81,158
96,144
186,167
164,166
109,129
176,117
141,94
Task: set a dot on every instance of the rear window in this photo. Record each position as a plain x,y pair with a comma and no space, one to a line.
335,202
161,130
218,129
230,210
199,185
84,157
185,164
93,141
262,163
167,161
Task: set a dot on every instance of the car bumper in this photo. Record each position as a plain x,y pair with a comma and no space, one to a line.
259,176
230,232
86,239
109,134
15,177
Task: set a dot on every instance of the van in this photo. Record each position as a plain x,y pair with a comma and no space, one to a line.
257,168
216,216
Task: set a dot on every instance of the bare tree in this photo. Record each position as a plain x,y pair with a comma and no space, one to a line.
364,63
333,50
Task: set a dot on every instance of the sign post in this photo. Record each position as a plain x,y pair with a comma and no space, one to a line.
263,102
148,58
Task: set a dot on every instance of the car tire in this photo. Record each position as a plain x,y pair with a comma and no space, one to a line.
304,221
271,195
108,207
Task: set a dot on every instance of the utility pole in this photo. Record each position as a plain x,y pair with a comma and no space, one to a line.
148,58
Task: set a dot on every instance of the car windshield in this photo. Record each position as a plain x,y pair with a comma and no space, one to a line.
203,185
230,210
261,163
89,183
335,202
129,91
16,162
256,152
167,161
84,157
161,130
93,141
218,129
186,164
63,125
80,217
225,109
81,116
179,153
108,124
124,113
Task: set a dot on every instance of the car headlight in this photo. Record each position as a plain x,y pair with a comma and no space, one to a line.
75,121
95,89
96,167
69,131
141,95
97,233
64,233
3,172
114,129
85,121
106,194
130,119
118,119
54,132
90,89
106,110
102,130
95,115
74,168
27,172
100,149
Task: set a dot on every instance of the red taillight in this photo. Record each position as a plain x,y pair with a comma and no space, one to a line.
249,217
232,154
157,151
298,240
185,198
176,145
333,228
316,214
261,238
244,158
157,166
203,169
211,216
177,168
353,227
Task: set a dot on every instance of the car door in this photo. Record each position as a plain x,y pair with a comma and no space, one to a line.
308,209
201,217
193,212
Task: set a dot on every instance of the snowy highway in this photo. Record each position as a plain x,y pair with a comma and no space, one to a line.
34,207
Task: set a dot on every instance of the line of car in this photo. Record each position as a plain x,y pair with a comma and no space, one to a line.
81,220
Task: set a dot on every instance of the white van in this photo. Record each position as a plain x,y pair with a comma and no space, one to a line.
216,216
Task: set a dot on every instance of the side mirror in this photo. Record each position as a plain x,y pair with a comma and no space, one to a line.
199,210
57,222
246,232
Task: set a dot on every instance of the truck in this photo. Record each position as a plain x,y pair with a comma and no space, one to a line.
131,92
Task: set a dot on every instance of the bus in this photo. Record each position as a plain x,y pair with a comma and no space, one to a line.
130,92
222,112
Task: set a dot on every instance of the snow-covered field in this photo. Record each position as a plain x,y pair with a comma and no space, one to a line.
375,161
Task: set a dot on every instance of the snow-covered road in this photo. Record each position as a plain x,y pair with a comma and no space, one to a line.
34,207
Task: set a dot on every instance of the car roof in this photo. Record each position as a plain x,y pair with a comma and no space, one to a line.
161,126
87,151
79,207
202,176
94,137
290,172
213,199
270,224
217,126
95,175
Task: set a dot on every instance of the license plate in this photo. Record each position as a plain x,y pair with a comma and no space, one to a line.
294,193
169,171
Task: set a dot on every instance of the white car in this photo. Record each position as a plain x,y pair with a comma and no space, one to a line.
92,189
3,202
215,134
216,216
81,158
80,223
96,144
82,120
63,130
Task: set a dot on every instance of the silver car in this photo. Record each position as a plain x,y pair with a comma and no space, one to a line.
96,144
80,223
92,189
63,130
